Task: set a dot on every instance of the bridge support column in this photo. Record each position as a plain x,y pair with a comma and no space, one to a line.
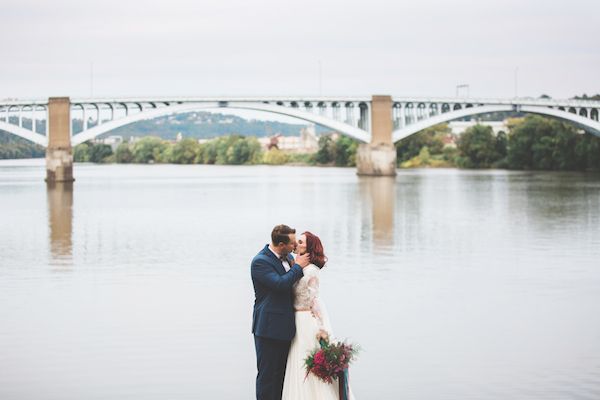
59,154
378,158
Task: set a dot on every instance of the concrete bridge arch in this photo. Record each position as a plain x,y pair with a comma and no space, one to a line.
581,121
345,129
24,133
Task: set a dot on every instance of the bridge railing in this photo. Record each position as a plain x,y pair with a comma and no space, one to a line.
30,117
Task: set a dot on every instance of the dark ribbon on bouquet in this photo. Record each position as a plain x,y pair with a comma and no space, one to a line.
343,379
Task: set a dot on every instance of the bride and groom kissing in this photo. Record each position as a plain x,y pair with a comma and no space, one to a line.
288,318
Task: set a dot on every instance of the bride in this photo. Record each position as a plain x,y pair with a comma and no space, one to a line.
312,324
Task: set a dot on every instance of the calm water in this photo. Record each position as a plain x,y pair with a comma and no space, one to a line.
458,285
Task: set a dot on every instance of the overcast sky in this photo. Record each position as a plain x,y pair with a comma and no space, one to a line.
274,47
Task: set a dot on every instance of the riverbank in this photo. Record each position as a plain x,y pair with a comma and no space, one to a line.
532,143
41,162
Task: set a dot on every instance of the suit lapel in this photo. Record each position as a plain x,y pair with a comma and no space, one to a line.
276,262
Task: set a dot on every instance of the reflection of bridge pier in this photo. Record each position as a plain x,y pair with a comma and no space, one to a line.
60,218
380,193
59,154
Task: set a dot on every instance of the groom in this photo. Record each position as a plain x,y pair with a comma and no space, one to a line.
274,272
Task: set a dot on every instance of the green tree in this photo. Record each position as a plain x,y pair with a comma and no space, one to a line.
99,152
123,154
223,144
548,144
243,151
449,155
543,153
425,155
344,151
520,141
477,147
148,150
256,152
432,137
81,153
275,157
166,154
533,142
502,144
207,153
325,153
185,152
234,149
589,149
565,144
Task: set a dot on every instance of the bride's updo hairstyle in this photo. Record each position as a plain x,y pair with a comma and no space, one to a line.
314,247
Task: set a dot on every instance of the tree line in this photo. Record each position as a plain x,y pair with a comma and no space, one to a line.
532,143
230,150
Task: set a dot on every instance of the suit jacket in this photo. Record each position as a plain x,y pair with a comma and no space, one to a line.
273,315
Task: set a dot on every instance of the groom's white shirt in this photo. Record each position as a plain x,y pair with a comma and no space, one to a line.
286,265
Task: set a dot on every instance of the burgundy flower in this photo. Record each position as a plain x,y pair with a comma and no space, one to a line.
320,358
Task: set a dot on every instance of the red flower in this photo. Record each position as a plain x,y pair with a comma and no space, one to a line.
329,361
320,358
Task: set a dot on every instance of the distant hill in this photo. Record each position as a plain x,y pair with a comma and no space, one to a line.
12,147
200,125
203,125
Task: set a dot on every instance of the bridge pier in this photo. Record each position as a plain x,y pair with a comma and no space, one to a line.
59,153
378,158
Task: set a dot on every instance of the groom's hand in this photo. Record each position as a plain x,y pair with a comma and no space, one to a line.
303,260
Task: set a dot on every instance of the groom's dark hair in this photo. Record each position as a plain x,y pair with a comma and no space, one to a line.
281,234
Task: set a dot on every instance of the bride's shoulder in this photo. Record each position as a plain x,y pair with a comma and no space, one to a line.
312,269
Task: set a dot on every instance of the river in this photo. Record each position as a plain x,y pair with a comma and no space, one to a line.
134,283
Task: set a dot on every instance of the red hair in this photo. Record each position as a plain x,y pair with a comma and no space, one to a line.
314,247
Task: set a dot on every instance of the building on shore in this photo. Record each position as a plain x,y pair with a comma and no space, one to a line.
112,141
306,142
458,127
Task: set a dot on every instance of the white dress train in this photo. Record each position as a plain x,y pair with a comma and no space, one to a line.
310,317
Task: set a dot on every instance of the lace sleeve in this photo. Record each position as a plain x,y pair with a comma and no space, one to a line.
315,304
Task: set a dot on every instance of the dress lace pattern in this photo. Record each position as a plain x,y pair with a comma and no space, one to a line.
306,295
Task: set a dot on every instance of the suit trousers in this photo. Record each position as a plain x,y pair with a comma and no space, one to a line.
271,359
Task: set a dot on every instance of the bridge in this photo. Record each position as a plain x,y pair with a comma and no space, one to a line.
377,121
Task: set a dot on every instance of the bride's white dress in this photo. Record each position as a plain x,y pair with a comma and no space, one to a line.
310,317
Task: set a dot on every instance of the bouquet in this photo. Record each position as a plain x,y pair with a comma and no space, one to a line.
330,362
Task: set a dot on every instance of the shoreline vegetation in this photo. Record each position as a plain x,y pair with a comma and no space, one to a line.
226,150
531,143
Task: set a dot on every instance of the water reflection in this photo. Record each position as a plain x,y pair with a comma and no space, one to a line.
379,193
556,202
60,220
486,282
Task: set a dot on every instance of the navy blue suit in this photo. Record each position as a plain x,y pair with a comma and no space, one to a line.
273,320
